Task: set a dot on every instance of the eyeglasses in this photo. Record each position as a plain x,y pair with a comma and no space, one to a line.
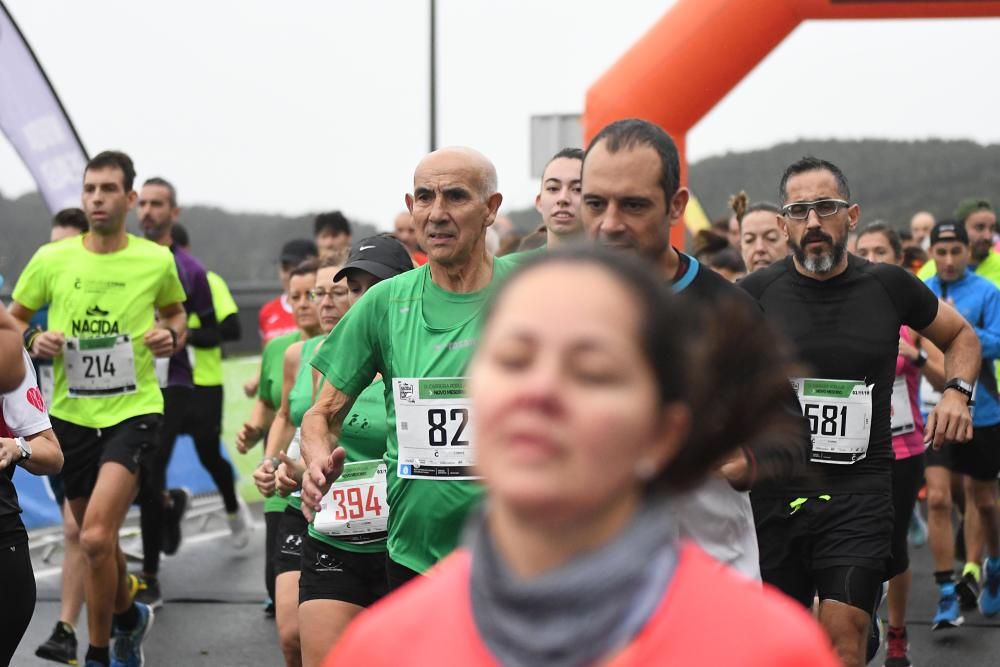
320,294
824,208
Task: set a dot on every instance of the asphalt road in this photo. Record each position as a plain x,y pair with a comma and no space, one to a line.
212,616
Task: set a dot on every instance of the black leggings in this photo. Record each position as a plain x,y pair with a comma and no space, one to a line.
198,412
271,521
17,591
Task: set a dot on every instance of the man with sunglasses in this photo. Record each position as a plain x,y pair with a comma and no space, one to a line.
826,528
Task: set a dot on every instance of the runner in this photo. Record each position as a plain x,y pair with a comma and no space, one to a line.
61,645
405,234
26,440
980,222
283,444
558,201
580,419
827,527
203,421
275,317
417,331
631,198
343,557
11,373
162,512
104,288
332,232
978,462
762,241
880,243
921,225
268,401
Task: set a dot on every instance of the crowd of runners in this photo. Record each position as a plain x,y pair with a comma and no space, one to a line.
597,444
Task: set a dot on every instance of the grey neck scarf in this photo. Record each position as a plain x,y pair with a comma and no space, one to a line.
581,612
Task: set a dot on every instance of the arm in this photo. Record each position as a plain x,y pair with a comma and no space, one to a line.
324,462
207,334
159,340
46,455
11,344
950,421
253,430
229,329
282,430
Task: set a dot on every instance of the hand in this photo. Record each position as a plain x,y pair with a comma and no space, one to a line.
289,474
317,479
159,341
10,453
263,477
48,344
250,388
950,421
907,351
247,437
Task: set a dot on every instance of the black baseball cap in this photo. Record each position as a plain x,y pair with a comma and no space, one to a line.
296,251
949,230
382,256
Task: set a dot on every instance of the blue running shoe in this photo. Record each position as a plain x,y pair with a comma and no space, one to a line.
127,651
989,599
948,614
917,533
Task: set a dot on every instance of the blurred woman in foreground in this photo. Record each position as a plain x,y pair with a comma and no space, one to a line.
586,422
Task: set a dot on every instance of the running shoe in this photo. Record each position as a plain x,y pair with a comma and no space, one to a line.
948,613
269,608
967,589
240,526
989,599
127,650
172,519
61,646
896,647
148,591
917,533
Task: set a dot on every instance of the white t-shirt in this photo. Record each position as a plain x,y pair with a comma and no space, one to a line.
719,519
23,410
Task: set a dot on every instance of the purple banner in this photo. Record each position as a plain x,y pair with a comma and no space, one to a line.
35,122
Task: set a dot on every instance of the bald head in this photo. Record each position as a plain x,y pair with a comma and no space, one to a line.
468,163
920,226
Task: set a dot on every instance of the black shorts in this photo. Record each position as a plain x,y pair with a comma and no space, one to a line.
907,478
86,449
291,534
329,573
837,547
398,575
979,458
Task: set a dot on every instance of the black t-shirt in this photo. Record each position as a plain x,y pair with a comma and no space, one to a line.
845,328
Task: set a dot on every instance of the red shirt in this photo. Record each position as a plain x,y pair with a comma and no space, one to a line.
419,258
275,319
708,616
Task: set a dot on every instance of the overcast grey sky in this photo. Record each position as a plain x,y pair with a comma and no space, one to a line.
312,105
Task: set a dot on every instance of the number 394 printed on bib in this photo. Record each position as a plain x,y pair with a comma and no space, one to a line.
434,428
839,413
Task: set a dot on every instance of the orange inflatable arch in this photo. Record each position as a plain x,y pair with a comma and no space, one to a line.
700,49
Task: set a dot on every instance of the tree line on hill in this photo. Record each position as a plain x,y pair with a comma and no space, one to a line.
890,179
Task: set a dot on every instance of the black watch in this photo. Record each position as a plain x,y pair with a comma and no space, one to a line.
959,385
173,338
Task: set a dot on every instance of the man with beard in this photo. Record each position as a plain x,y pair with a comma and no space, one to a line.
162,511
826,528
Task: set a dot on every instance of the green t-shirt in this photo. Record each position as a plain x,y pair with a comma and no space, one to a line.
301,397
208,360
389,332
272,368
363,437
98,298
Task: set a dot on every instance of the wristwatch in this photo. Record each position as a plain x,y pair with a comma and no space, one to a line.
960,385
921,359
24,448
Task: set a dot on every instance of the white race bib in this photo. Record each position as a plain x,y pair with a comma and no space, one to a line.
294,452
840,418
162,367
434,429
99,366
929,396
902,410
356,509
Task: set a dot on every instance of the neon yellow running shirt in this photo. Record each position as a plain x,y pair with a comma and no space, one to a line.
104,301
208,360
